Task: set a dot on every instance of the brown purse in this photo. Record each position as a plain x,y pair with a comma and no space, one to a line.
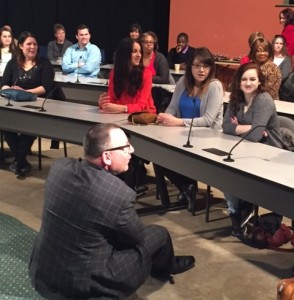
142,117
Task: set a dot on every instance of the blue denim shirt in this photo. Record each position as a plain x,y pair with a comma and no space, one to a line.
90,55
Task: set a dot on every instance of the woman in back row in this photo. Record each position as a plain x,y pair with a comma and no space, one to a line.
7,47
154,60
262,53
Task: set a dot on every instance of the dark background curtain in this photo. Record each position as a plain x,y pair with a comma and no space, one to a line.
108,20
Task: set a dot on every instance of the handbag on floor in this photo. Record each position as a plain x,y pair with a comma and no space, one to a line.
285,289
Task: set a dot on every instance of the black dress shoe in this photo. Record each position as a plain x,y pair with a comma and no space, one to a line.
141,190
182,264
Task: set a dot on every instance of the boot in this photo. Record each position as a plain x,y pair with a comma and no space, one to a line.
236,224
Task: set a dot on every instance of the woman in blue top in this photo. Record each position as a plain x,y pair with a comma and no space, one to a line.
198,97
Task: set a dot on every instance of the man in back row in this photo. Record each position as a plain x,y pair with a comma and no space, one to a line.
83,57
91,242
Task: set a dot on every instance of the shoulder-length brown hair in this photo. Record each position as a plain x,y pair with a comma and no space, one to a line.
205,57
237,95
21,39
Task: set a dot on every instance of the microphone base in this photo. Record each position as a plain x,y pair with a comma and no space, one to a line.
8,104
77,81
228,159
188,146
42,109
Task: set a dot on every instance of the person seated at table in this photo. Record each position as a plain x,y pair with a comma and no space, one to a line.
99,248
135,30
252,38
197,99
83,57
130,82
154,60
281,58
129,91
56,48
27,72
250,105
7,47
262,53
181,53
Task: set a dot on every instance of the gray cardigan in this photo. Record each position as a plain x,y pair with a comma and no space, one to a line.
54,52
211,106
261,112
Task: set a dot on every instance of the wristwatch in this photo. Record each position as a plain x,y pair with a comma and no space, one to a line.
126,109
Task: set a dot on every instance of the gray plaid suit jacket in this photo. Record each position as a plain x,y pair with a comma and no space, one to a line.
90,244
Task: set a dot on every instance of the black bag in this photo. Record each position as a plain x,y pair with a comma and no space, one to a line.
18,95
286,92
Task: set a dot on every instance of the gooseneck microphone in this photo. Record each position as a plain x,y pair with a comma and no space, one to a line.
12,89
78,71
188,145
229,158
49,95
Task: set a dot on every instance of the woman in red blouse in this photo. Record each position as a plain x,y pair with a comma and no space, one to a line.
129,82
287,21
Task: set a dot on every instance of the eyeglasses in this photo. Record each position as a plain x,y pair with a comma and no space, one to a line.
198,66
126,148
148,42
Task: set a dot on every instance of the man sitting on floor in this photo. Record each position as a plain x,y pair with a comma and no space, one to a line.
91,242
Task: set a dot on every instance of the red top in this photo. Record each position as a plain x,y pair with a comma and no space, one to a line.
245,60
151,65
288,34
141,101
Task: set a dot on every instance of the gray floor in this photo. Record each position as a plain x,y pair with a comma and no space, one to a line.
225,268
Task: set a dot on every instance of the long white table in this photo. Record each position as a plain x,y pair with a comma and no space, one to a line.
260,174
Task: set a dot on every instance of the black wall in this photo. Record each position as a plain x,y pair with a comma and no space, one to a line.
108,20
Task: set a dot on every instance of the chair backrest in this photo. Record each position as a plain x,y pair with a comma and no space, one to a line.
287,132
43,51
286,122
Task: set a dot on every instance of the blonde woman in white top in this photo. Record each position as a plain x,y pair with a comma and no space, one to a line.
7,46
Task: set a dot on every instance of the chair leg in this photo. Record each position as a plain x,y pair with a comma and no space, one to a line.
193,196
40,152
65,149
161,186
207,206
2,147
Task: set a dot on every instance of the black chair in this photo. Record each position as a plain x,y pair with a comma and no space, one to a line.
288,143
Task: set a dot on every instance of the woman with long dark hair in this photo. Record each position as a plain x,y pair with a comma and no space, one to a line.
129,82
250,106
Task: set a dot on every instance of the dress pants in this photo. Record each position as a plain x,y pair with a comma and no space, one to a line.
179,180
20,146
158,243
